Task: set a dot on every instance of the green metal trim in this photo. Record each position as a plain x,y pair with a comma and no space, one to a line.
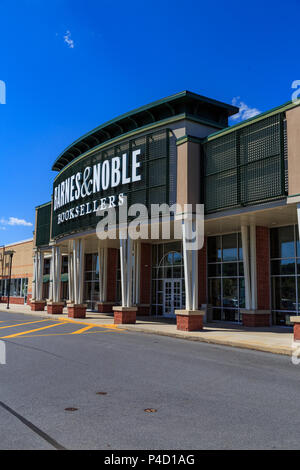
134,132
110,142
43,205
240,125
189,138
146,108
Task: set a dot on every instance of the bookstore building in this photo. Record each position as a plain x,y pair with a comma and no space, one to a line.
178,150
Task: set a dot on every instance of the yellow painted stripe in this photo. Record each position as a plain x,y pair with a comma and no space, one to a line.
78,332
31,331
95,325
21,324
67,334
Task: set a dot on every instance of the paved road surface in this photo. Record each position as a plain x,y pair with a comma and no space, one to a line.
207,397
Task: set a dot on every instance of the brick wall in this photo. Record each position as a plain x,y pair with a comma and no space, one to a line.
202,274
263,268
112,263
145,276
12,300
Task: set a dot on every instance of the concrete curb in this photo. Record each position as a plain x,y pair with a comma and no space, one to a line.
185,336
223,342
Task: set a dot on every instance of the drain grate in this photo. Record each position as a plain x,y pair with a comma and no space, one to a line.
150,410
71,409
101,393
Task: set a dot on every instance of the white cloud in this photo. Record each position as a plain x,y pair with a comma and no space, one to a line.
14,221
245,111
68,40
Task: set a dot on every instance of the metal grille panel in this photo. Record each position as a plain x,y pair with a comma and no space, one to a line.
43,225
246,166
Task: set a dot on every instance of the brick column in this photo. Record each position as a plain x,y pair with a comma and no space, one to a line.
263,268
145,279
111,283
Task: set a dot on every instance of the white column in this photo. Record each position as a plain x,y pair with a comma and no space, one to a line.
245,241
70,277
55,270
128,265
78,266
253,267
102,255
81,270
34,281
75,247
298,217
40,268
190,260
52,274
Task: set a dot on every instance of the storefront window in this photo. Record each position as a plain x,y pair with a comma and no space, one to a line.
226,286
18,287
285,273
91,280
168,291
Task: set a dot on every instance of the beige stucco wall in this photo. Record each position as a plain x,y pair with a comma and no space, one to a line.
188,173
293,137
22,265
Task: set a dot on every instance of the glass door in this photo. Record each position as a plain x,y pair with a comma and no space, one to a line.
172,297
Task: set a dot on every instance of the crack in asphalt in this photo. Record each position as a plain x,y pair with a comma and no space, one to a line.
33,428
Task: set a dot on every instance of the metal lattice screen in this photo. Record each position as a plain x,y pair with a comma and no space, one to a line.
43,225
246,166
153,187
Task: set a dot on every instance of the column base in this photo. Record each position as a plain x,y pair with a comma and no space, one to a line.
124,315
296,321
76,310
37,305
189,320
55,308
105,307
256,317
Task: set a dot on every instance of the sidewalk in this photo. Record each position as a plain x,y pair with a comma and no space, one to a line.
276,340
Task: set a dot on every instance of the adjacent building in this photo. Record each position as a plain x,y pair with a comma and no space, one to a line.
16,272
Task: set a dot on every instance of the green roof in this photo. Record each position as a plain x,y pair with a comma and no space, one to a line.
259,117
212,112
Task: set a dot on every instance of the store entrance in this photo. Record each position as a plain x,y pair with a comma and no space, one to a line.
172,296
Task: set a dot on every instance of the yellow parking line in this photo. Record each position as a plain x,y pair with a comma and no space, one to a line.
67,334
31,331
78,332
20,324
95,325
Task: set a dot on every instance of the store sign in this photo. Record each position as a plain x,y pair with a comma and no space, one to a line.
93,180
137,169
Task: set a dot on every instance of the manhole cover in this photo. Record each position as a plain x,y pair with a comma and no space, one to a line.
150,410
71,409
101,393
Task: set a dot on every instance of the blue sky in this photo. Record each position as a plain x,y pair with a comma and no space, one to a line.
69,66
